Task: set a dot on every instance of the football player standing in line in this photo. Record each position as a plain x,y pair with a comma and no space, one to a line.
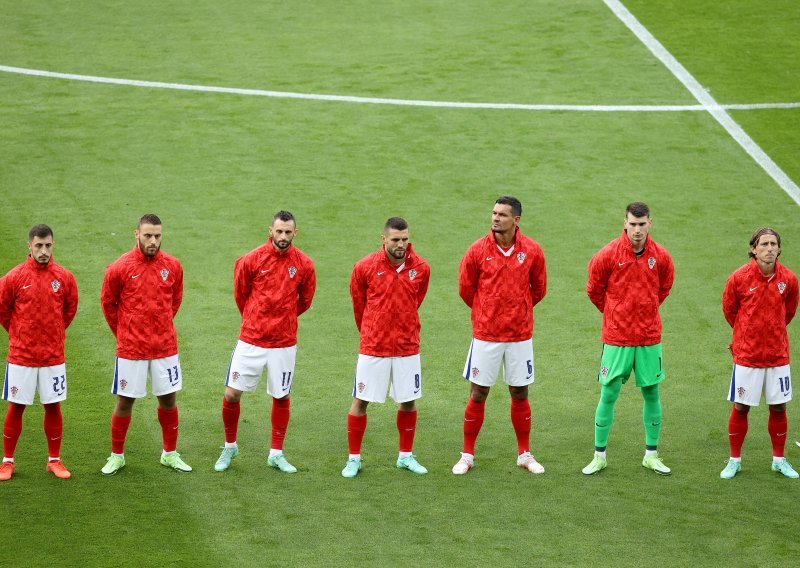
759,301
629,278
141,293
272,286
387,288
38,301
501,278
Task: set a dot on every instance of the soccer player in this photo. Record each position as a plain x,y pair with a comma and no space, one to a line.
38,301
272,285
387,288
142,291
629,279
759,301
501,278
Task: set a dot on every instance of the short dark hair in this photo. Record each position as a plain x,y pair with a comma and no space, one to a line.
757,237
149,219
516,205
637,209
396,223
41,231
284,216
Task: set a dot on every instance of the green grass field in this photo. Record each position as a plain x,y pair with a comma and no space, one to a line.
89,159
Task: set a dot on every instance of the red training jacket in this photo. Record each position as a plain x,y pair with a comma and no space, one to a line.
140,297
759,308
629,290
272,289
502,290
37,304
386,303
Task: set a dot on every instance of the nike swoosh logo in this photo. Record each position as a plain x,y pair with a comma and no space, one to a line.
265,271
622,263
26,287
779,434
56,438
469,419
379,273
489,257
135,276
528,377
756,288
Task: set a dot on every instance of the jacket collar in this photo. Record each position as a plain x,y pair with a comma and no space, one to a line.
35,265
410,260
137,252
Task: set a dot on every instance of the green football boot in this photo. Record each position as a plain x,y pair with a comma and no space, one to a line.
279,462
173,460
113,465
785,468
730,471
654,462
224,460
597,465
411,464
351,468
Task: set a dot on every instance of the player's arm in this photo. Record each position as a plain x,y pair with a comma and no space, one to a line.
730,301
538,277
177,289
358,294
6,301
70,307
422,290
109,297
666,273
305,292
468,278
791,300
599,272
242,283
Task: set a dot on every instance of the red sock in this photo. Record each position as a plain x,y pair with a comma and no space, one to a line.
356,425
521,420
280,421
737,430
473,420
53,426
12,428
169,427
119,430
777,425
406,426
230,419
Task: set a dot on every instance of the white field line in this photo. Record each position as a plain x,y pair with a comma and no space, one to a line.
705,99
384,101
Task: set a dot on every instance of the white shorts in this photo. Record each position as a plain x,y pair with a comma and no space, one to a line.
22,383
748,383
401,376
485,358
249,361
130,376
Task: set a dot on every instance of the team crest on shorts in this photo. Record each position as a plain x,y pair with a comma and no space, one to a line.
521,257
14,391
361,387
651,262
603,371
412,274
741,391
56,285
164,274
235,376
475,372
292,271
123,383
781,287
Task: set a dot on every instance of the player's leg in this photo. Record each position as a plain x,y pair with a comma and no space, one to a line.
130,383
481,370
649,371
370,384
777,392
19,389
518,373
356,426
12,428
745,391
280,373
52,385
405,389
166,377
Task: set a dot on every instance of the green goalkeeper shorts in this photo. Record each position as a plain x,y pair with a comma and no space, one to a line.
646,362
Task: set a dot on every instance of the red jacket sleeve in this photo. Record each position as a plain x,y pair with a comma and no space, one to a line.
177,293
423,286
70,301
666,278
242,283
791,300
730,300
109,297
468,277
305,292
538,278
599,273
6,301
358,294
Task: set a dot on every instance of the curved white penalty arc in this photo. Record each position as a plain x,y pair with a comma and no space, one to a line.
382,101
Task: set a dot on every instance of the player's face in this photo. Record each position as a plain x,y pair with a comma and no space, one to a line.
41,249
396,244
149,238
637,229
766,249
503,220
282,233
